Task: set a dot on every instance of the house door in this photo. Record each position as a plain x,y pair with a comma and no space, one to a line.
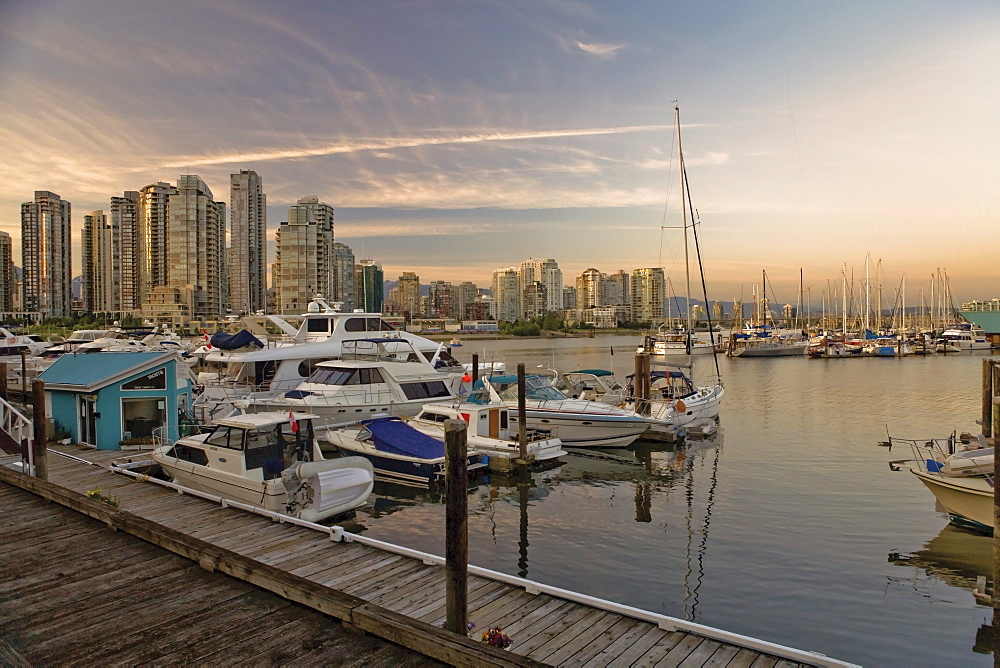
88,420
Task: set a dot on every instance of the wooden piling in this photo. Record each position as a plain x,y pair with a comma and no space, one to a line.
3,381
987,395
475,367
522,411
456,527
38,423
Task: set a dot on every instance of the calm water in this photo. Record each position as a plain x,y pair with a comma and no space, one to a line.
787,526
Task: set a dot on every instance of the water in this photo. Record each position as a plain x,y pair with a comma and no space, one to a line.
787,526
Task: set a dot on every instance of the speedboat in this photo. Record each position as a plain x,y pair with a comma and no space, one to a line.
958,471
373,376
398,451
269,460
489,430
577,422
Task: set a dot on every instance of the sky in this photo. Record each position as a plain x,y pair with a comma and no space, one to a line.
457,137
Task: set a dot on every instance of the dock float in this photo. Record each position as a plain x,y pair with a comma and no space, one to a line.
390,591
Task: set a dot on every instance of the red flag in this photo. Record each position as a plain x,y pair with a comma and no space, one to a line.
208,343
295,424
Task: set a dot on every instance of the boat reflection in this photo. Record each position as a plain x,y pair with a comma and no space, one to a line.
956,557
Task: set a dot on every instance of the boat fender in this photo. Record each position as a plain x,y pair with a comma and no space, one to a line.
680,406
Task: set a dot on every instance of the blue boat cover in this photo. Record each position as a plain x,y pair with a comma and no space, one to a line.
240,339
399,438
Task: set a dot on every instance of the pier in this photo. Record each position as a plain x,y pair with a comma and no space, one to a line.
385,590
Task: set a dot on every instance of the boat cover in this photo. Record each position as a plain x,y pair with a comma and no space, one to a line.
399,438
240,339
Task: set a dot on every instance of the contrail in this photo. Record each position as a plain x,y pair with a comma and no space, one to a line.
403,142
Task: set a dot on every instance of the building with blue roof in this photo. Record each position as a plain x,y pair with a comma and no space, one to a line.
104,399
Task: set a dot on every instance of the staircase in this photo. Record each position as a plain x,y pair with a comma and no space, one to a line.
15,429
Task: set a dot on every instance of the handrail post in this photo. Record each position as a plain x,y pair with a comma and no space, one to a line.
39,437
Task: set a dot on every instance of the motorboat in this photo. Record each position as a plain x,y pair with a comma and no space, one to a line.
268,460
591,385
829,346
76,338
275,365
668,342
372,376
397,451
763,341
886,346
14,345
964,336
489,430
577,422
958,471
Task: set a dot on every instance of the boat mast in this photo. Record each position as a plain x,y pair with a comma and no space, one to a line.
687,263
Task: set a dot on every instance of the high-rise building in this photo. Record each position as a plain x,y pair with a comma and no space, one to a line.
466,294
535,300
343,264
590,289
126,240
617,288
8,283
310,209
369,286
441,297
248,242
152,217
408,294
295,265
45,255
506,294
547,272
569,297
98,278
647,294
196,246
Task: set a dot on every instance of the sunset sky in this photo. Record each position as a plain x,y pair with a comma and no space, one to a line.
457,137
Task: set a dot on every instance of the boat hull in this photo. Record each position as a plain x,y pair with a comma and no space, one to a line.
970,499
585,431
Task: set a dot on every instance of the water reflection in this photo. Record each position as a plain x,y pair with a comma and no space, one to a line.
955,556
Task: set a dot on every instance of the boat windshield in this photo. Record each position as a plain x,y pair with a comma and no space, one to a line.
340,376
536,388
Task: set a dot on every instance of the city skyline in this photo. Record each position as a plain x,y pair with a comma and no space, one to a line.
456,139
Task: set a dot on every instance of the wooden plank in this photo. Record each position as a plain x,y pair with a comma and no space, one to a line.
477,588
372,590
416,590
572,632
722,656
641,645
344,552
346,563
360,568
608,655
764,661
319,549
672,650
514,598
262,537
584,639
743,658
516,612
545,629
602,640
701,654
289,545
451,648
384,577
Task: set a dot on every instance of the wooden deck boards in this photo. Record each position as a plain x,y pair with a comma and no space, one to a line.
545,628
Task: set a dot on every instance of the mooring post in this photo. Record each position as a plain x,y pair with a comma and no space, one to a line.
3,381
522,412
24,375
987,395
38,427
475,368
456,566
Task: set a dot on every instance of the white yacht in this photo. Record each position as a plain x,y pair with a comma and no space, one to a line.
77,338
269,460
372,376
964,336
271,367
577,422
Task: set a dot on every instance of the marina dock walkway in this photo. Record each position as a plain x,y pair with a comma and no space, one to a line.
393,592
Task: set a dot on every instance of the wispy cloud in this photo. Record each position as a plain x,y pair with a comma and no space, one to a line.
396,143
608,51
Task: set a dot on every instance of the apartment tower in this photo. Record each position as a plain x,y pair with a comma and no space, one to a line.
45,255
248,242
196,246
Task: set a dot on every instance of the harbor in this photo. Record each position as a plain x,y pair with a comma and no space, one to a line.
787,511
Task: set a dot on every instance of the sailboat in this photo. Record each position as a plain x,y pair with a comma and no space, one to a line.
695,408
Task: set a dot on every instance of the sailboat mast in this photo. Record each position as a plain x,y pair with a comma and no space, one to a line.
687,263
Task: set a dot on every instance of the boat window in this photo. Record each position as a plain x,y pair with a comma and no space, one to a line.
355,325
307,367
317,324
189,454
226,437
379,325
429,390
371,376
327,375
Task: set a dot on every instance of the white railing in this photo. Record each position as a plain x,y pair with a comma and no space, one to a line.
18,427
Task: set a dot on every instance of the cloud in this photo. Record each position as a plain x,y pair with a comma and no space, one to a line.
608,51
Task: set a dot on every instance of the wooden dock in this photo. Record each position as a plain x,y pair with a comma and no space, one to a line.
392,592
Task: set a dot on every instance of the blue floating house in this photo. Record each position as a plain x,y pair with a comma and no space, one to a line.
102,399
